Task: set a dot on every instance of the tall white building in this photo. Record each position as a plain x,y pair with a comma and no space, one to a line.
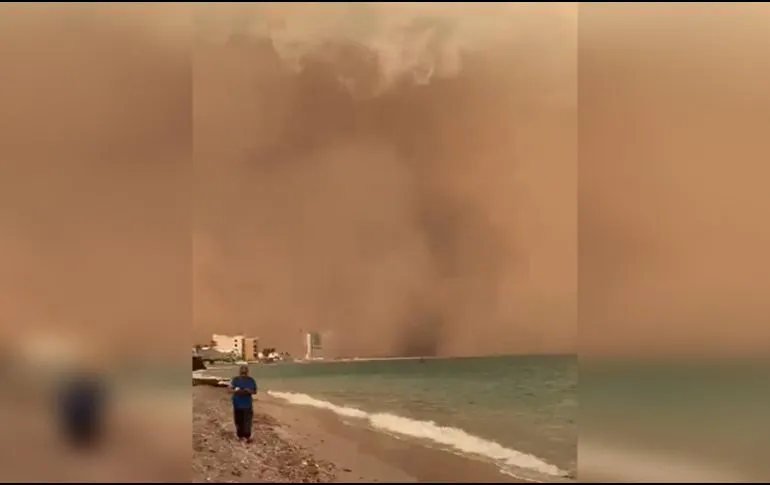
312,343
230,344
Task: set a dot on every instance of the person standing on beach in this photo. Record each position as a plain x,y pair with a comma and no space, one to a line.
81,402
243,387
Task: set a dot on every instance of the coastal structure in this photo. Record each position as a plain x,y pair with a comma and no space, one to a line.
251,349
213,355
312,344
238,346
229,344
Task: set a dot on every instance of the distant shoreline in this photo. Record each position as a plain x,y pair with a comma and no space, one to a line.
366,359
434,357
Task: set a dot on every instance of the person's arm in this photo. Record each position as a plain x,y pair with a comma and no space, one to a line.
231,388
252,389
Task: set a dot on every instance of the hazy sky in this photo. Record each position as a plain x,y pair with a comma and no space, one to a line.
401,178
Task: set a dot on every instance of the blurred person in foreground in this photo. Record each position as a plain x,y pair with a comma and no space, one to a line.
243,387
82,402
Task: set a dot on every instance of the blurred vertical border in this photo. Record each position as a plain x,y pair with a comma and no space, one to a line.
674,267
95,251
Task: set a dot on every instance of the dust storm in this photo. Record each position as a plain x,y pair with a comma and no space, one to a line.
401,178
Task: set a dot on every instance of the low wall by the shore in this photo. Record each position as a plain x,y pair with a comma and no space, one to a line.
210,381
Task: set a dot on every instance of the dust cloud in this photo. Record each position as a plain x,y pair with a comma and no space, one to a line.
401,178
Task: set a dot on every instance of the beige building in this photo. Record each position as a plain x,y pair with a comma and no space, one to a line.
251,348
229,344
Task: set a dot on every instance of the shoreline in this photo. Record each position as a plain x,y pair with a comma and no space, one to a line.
298,444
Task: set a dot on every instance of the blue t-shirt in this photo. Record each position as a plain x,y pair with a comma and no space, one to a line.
243,401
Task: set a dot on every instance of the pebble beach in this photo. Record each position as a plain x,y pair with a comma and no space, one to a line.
219,457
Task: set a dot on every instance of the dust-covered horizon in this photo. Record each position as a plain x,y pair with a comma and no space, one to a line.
398,178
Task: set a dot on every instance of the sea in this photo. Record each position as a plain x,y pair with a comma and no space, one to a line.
516,412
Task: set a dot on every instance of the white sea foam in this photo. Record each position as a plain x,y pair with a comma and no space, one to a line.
452,438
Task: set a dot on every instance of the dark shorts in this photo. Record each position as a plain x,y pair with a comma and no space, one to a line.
243,418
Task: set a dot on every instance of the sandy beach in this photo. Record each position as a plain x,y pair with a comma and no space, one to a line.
296,444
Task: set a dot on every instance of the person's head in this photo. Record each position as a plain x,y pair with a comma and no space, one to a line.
244,370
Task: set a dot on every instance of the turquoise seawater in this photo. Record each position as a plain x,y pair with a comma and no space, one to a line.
525,404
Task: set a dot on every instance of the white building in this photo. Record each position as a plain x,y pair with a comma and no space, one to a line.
312,343
229,344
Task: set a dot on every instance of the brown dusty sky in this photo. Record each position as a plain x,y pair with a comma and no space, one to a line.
385,178
405,181
335,191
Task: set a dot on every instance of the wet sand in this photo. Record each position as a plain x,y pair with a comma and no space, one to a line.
297,444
